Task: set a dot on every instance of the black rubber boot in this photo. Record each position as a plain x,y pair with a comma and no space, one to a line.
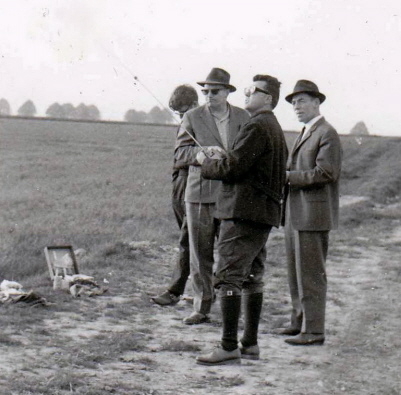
230,311
252,309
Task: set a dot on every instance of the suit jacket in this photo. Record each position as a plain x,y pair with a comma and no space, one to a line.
199,123
253,173
314,167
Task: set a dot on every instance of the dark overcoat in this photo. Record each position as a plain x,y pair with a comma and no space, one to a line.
253,173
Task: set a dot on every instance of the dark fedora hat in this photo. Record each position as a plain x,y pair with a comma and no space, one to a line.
218,77
305,86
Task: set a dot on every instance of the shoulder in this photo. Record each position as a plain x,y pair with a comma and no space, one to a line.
239,112
327,132
325,126
268,120
196,111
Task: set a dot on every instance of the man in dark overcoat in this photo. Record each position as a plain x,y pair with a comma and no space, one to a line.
248,206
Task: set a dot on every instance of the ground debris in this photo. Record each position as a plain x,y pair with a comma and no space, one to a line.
13,292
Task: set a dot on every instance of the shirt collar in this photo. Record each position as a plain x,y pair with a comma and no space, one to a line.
309,124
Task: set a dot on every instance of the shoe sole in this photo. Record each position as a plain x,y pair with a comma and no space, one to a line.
316,343
236,361
164,304
205,321
250,357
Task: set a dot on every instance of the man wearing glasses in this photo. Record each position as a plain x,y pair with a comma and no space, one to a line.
215,124
248,205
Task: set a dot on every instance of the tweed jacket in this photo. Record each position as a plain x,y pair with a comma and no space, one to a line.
199,123
253,173
314,167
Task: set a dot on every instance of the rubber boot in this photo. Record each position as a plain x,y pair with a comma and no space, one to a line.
252,309
230,311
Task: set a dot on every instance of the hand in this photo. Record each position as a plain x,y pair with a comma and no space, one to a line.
200,157
215,152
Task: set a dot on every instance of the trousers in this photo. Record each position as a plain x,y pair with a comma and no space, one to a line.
306,261
181,269
242,255
202,230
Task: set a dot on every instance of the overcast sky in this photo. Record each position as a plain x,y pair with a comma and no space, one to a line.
89,51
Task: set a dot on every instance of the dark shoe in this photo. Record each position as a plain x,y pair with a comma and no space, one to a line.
251,352
289,331
196,318
166,299
306,339
220,357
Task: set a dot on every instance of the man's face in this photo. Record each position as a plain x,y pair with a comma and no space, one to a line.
215,95
257,99
305,106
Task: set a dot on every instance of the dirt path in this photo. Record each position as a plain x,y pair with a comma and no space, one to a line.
361,355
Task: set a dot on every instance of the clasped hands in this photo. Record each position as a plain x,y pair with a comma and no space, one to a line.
212,152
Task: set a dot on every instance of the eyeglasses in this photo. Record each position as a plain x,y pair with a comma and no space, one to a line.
250,90
214,91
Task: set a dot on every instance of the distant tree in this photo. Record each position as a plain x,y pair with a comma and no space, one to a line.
136,116
55,111
69,110
4,107
81,112
28,109
156,115
93,113
359,129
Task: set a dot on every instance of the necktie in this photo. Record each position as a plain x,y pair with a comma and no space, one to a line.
302,133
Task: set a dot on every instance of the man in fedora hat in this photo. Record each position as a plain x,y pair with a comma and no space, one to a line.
214,124
313,171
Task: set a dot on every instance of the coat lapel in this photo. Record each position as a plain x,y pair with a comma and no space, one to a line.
299,142
234,126
210,124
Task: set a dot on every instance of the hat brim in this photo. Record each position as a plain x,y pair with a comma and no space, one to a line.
230,87
319,95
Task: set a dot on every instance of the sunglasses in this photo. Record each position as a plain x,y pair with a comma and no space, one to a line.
252,89
214,91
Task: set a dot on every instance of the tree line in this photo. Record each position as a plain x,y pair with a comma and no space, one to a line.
86,112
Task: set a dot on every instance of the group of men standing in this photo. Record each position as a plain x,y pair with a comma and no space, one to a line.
242,182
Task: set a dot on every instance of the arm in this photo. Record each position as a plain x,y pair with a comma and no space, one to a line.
185,148
327,164
250,143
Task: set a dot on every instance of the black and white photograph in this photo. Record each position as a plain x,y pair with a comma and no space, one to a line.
200,197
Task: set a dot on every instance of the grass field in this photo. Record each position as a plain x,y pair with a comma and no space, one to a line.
101,186
94,184
83,184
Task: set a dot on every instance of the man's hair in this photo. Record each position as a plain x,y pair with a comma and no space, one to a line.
272,85
183,96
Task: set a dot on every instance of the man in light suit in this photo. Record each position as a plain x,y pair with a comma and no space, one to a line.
214,124
313,171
